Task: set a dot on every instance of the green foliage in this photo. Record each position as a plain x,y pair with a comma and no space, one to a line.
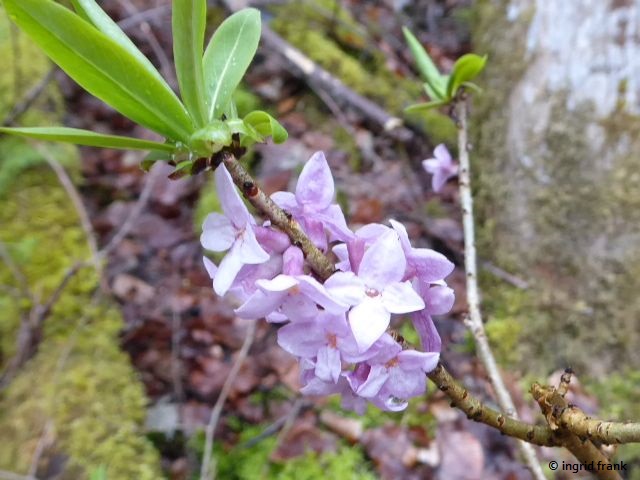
86,137
442,89
102,66
189,20
266,125
249,463
95,52
80,381
228,56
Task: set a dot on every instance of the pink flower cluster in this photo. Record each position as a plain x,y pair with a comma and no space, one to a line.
338,329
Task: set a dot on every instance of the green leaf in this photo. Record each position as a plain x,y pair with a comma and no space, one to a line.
87,137
188,22
102,66
210,139
228,56
91,12
421,107
426,67
266,125
466,68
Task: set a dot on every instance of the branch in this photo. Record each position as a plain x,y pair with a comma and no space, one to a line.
279,218
474,320
478,412
553,405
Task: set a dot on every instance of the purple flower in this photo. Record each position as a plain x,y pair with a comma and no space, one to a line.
289,297
377,291
426,264
311,205
390,384
441,167
327,338
234,231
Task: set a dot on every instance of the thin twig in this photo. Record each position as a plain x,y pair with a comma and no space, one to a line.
29,98
133,215
205,470
148,15
479,412
78,204
166,66
553,405
474,319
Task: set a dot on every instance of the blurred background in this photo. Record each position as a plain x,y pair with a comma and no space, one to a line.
114,348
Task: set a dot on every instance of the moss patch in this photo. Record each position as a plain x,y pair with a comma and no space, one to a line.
79,382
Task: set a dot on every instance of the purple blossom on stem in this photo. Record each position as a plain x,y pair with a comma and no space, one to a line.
311,204
232,231
441,167
376,291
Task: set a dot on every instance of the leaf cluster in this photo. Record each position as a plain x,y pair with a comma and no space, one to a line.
442,89
91,48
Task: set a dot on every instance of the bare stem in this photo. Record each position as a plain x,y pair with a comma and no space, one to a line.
474,320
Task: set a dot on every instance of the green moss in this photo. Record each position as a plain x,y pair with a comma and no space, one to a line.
338,48
79,381
248,463
24,66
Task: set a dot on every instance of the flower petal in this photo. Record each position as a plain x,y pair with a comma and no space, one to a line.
429,265
328,364
429,336
439,299
401,298
217,233
302,339
280,283
345,288
314,290
368,321
286,200
383,263
378,375
227,271
413,360
442,154
260,304
315,183
210,267
249,249
232,206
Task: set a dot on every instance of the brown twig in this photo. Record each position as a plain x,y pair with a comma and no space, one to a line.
133,215
479,412
279,218
77,202
206,470
29,98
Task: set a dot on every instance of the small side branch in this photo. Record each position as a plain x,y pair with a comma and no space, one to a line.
474,320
